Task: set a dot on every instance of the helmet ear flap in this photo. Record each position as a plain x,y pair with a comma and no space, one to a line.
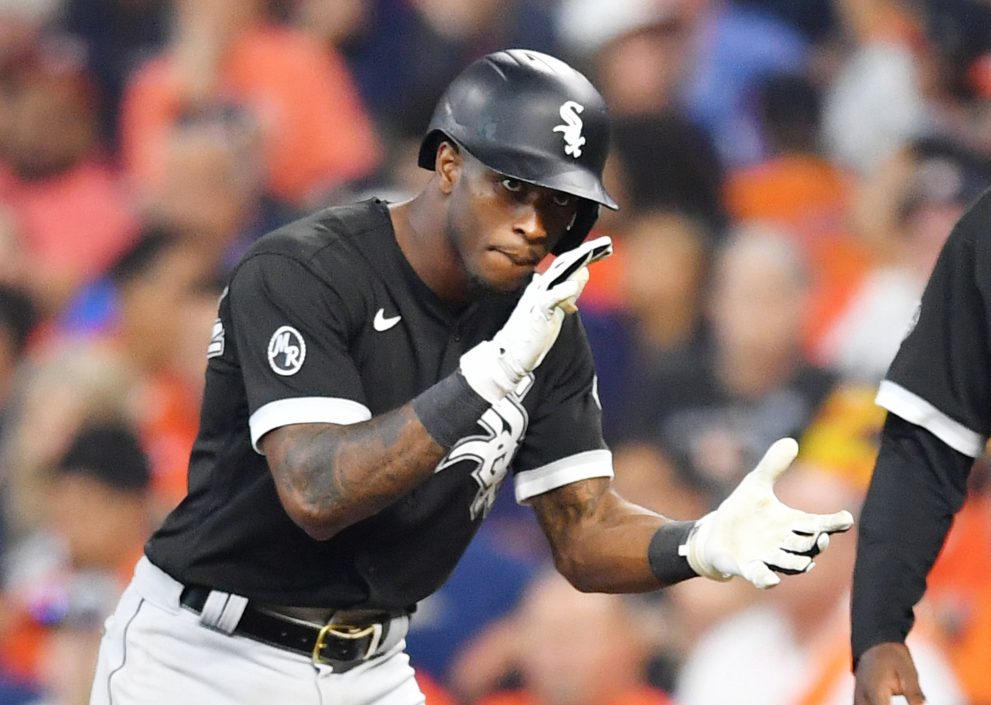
585,216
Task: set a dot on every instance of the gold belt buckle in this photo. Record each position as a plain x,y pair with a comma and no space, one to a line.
347,631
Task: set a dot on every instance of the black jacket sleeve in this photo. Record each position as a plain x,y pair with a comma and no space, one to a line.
919,483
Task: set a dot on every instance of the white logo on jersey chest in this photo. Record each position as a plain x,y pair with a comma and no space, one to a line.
571,130
381,323
492,452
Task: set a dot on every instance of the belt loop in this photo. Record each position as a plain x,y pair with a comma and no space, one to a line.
222,611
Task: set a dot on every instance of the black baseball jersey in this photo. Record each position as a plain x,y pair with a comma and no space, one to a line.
325,321
938,393
941,377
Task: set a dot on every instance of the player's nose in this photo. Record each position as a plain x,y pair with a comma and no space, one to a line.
529,222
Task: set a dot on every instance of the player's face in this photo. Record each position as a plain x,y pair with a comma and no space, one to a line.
503,227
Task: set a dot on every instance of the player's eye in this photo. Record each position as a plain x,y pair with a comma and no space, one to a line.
514,185
563,200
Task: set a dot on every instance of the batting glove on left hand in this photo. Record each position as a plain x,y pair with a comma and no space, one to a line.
754,535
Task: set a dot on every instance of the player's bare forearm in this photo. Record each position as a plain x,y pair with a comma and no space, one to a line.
599,540
330,476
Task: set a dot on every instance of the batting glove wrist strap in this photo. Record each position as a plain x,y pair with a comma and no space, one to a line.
668,564
752,534
449,409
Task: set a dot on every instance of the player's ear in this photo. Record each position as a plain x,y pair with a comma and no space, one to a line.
448,163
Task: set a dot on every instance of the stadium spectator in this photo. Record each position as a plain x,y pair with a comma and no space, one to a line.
119,35
714,413
735,47
406,58
593,650
64,386
65,578
154,312
316,134
638,50
796,187
876,100
212,190
484,587
72,215
663,259
934,180
665,162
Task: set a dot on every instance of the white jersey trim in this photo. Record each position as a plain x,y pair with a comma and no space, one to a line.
581,466
917,410
283,412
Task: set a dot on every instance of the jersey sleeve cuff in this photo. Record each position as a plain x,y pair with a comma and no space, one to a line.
581,466
283,412
917,410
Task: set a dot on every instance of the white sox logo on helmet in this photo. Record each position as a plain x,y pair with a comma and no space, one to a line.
571,130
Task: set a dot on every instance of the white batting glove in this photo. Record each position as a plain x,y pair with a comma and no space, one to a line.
753,535
495,367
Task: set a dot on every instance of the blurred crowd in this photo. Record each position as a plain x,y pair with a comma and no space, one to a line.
788,171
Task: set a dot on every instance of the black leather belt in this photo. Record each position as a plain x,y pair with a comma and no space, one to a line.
340,645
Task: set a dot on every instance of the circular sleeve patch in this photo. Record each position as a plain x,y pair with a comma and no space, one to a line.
286,351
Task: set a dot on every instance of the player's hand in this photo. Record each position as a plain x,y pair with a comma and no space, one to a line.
494,368
754,536
885,670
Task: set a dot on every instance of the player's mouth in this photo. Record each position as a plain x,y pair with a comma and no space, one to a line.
520,259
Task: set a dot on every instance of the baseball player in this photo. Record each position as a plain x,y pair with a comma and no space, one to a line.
376,372
938,396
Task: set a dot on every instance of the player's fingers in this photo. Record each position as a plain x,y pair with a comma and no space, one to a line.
759,575
822,543
576,257
801,543
570,289
835,523
788,563
566,265
775,461
600,248
806,544
568,306
559,293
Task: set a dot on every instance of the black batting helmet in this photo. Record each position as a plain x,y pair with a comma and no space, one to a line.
534,118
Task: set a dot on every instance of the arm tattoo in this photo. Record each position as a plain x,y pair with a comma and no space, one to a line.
336,475
563,510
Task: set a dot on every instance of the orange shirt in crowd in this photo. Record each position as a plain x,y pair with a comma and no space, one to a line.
959,593
315,129
808,196
168,424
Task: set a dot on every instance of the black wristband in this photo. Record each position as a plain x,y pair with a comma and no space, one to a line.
666,563
449,409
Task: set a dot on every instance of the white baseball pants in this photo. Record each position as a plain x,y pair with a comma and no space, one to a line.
155,652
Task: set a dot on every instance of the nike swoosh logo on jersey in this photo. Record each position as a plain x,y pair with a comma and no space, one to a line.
381,323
